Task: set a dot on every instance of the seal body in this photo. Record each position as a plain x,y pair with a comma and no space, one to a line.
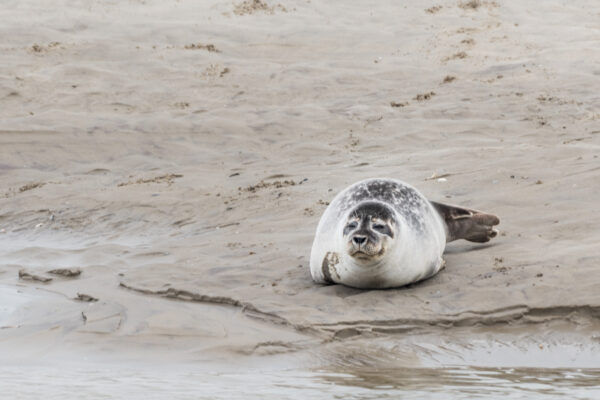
378,233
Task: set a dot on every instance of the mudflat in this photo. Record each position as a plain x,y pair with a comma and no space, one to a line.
164,166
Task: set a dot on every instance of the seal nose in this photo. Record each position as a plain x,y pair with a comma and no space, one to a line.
359,239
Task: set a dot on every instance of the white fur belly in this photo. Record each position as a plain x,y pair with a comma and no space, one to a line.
411,265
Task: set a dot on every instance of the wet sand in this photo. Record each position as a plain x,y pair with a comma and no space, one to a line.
180,155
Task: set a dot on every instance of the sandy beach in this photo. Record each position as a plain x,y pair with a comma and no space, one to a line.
169,163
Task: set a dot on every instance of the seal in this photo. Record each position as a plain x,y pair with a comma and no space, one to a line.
382,233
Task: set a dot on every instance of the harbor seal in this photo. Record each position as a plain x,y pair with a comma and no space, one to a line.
382,233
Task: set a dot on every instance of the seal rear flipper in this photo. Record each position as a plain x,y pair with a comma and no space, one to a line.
464,223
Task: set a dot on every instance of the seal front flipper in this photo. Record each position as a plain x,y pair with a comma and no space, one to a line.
464,223
329,272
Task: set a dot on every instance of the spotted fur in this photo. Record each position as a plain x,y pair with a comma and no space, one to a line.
413,251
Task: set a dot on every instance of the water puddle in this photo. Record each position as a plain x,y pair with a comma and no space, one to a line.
186,381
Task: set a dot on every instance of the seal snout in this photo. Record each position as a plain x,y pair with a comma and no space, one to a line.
359,240
365,246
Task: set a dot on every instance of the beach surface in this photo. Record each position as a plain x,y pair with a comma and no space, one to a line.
164,165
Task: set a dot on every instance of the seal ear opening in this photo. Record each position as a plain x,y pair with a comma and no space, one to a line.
463,223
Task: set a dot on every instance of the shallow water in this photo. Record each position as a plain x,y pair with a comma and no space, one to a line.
188,381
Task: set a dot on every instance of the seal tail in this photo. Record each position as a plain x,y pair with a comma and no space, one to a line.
464,223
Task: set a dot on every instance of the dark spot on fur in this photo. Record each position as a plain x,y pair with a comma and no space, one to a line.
373,209
406,200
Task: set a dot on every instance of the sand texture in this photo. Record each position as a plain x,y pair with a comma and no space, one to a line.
171,161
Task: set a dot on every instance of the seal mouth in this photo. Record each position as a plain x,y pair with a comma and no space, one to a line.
361,254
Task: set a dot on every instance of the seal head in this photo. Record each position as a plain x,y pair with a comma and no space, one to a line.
369,232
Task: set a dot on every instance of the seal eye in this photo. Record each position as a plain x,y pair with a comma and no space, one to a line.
352,225
379,227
